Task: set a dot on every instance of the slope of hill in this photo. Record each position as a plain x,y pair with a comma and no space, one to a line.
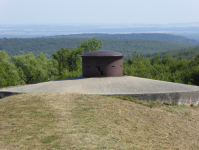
189,53
48,45
189,35
146,36
74,121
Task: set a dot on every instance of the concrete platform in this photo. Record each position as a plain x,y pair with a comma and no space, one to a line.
141,88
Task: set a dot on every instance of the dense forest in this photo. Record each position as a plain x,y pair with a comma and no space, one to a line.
13,46
128,46
189,53
66,62
146,36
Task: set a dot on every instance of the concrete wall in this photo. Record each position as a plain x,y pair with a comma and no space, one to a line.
181,98
4,94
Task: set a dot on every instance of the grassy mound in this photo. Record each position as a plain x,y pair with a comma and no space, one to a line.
76,121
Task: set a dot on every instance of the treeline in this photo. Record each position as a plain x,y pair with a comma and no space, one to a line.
66,62
26,69
13,46
178,70
189,53
29,69
146,36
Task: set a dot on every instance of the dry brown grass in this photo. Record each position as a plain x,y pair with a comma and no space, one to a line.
75,121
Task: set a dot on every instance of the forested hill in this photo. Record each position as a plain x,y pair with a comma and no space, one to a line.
147,36
190,53
13,46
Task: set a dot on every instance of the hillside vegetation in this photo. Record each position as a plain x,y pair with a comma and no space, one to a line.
128,46
13,46
87,122
146,36
189,53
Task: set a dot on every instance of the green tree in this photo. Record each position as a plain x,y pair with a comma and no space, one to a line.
36,69
70,59
62,57
8,71
90,45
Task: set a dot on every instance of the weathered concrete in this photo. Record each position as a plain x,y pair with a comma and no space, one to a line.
6,93
141,88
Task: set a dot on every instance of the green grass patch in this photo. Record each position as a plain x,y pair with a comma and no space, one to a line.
50,139
170,104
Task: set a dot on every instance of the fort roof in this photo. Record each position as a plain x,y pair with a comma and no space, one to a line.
102,53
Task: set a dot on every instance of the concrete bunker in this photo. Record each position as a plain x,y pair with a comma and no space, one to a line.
102,63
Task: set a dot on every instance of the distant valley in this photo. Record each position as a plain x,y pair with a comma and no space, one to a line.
190,30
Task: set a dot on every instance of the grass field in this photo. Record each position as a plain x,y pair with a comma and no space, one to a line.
49,121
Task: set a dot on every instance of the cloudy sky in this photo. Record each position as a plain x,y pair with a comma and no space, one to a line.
98,11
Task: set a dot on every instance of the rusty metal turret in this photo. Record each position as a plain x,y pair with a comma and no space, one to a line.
102,63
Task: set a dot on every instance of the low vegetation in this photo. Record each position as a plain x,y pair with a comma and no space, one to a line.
76,121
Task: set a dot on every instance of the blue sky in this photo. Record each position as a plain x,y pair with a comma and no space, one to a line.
98,11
